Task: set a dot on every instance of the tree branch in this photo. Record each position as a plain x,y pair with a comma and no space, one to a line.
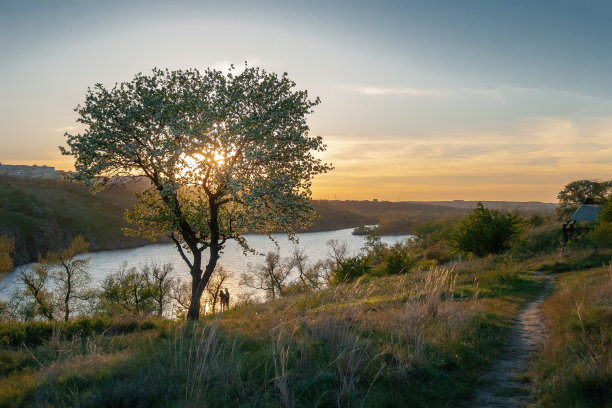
180,249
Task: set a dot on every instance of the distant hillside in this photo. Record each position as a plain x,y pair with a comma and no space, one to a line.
44,215
521,206
392,217
401,217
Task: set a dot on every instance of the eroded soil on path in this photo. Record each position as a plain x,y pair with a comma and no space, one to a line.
503,386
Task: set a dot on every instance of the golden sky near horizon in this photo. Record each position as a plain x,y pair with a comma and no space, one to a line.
419,101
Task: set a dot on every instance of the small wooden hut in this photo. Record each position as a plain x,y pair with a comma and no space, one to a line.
582,221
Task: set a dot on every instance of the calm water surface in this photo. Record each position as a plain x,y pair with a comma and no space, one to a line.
233,260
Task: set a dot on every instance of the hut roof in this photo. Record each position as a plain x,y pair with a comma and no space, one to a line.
586,212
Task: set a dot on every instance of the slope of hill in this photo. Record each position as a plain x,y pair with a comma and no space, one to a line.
44,215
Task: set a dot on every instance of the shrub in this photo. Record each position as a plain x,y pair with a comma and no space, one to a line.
602,234
351,269
397,260
546,238
486,231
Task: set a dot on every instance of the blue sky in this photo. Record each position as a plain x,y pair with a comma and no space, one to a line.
421,100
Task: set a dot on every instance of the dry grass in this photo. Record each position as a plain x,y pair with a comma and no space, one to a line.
432,331
575,366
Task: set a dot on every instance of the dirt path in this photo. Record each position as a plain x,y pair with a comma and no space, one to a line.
502,386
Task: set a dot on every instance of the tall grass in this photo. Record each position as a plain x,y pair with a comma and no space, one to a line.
339,347
574,367
349,345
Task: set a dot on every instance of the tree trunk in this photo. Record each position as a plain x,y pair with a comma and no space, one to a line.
198,284
193,313
199,280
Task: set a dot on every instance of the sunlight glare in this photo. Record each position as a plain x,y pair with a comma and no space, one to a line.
196,164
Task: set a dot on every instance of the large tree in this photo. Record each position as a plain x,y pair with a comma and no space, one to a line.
576,192
225,153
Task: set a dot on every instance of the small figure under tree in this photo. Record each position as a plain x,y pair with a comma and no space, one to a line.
224,153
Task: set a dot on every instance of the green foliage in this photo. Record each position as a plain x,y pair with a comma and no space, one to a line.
566,265
7,246
434,232
36,289
71,211
576,192
144,291
543,239
347,345
59,282
127,290
351,269
605,215
486,231
377,259
536,220
224,154
431,241
32,334
601,235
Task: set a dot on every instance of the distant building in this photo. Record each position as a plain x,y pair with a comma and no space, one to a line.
23,171
583,220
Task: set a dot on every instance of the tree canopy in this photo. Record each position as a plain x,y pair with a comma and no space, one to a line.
576,192
225,153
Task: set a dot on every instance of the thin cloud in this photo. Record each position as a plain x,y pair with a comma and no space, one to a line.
560,92
64,129
376,90
549,148
448,92
420,92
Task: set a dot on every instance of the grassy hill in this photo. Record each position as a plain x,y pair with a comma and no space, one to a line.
419,339
422,339
422,335
45,215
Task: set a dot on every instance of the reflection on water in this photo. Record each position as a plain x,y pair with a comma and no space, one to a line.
232,259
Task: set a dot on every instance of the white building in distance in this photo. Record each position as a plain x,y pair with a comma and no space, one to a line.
23,171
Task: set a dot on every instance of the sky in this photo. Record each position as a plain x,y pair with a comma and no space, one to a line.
421,100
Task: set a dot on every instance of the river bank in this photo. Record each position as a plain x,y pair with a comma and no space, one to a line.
233,259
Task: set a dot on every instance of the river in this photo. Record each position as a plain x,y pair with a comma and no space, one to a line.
232,259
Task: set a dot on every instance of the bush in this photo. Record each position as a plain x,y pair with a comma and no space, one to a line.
546,238
438,253
486,231
602,234
397,260
351,269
